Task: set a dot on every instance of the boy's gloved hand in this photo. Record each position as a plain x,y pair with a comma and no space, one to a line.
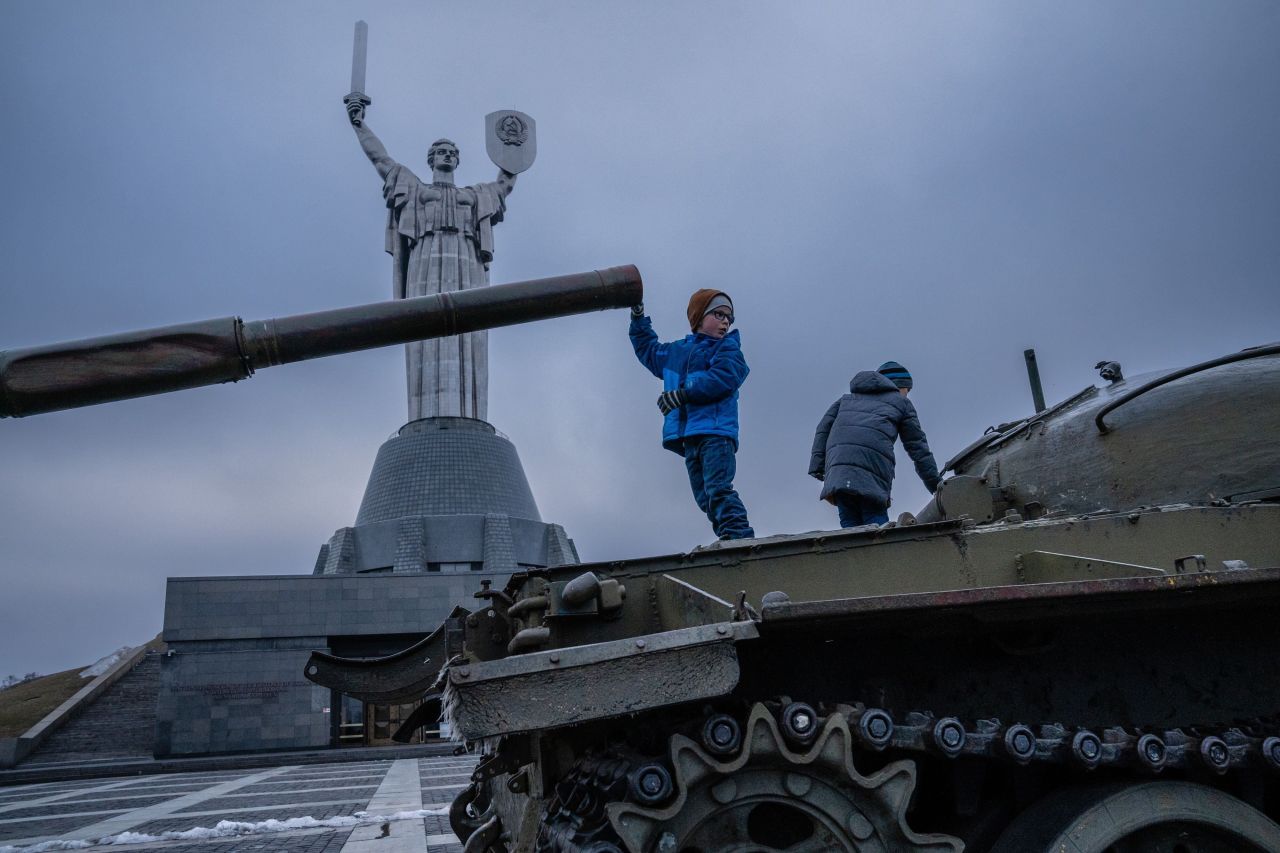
669,401
637,310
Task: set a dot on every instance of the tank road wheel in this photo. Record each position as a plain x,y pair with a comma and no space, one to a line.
770,798
1150,817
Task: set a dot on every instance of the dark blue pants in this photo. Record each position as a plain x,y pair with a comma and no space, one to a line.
711,463
855,510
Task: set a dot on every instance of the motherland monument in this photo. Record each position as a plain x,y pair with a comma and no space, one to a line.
440,238
447,492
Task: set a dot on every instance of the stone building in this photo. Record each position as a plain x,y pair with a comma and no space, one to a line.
447,506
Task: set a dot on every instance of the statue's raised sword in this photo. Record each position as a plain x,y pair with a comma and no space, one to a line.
359,50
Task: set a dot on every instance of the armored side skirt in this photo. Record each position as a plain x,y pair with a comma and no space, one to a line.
567,686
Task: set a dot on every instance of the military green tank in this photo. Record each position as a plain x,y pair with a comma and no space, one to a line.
1072,647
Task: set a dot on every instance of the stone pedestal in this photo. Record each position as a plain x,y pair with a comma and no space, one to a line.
446,495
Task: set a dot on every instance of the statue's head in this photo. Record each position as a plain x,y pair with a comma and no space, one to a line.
443,155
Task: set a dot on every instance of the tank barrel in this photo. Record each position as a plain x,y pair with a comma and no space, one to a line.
190,355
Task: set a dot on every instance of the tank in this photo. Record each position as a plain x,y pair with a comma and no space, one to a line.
1072,647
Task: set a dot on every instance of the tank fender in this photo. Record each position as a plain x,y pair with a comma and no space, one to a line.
568,686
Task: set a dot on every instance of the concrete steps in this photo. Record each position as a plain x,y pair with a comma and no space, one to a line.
120,724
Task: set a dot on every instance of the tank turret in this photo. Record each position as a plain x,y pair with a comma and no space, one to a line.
1199,434
190,355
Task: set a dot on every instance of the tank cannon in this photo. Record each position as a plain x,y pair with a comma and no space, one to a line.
1072,644
191,355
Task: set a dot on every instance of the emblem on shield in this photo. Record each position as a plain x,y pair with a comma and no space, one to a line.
511,140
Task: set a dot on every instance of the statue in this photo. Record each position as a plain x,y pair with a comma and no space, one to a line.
440,237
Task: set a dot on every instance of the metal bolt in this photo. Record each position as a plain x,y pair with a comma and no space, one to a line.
1020,743
639,644
651,784
1271,752
721,734
1215,754
720,629
799,722
554,658
875,728
464,673
1086,749
312,670
948,736
1152,752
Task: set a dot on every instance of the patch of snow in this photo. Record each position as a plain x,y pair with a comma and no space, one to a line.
102,665
229,829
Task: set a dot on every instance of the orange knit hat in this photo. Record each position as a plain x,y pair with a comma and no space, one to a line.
698,305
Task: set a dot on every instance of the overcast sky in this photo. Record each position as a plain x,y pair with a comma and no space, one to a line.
943,184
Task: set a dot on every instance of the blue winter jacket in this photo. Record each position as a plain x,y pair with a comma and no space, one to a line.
853,445
708,370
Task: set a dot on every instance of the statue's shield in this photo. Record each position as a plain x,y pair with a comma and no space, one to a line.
510,139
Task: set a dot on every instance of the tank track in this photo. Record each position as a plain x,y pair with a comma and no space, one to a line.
577,820
1217,749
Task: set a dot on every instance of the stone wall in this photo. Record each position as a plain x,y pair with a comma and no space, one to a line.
233,682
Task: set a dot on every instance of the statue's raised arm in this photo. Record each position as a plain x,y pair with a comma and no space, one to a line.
506,182
369,141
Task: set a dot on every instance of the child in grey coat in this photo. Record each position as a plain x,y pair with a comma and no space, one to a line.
853,445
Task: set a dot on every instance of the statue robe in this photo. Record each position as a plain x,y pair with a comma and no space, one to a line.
440,238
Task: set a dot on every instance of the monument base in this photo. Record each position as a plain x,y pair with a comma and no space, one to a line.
447,506
446,495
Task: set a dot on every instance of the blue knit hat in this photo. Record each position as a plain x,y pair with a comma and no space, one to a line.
895,373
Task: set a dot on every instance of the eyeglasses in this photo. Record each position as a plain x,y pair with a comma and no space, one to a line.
723,315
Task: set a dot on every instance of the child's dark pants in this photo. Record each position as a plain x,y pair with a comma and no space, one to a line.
856,510
711,463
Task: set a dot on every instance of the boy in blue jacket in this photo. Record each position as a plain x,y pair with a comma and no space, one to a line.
700,378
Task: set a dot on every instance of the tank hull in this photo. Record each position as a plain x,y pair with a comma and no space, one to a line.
1009,630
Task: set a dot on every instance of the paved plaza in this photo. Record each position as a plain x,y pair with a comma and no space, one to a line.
385,806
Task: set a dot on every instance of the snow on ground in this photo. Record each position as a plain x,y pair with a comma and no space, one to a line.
228,829
104,664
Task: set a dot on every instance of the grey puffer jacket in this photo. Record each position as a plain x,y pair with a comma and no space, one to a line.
853,446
